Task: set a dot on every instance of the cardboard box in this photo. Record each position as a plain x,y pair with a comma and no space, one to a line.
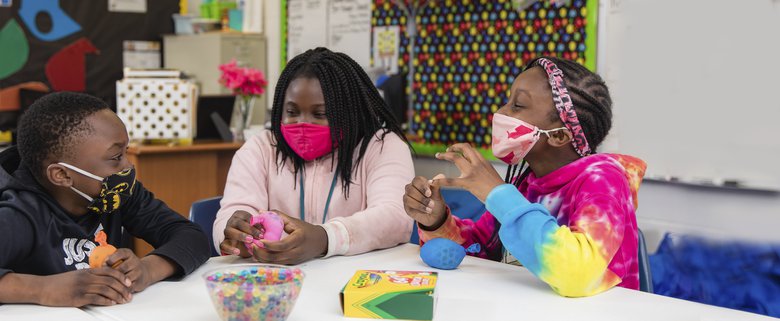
380,294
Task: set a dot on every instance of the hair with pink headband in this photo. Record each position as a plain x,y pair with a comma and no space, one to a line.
582,102
564,105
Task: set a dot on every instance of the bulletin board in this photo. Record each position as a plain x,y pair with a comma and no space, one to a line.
468,53
71,46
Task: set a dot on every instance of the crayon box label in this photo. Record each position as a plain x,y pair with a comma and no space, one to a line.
383,294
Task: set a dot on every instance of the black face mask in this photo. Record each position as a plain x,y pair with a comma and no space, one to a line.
115,190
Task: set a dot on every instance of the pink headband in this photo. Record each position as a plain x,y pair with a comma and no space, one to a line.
565,106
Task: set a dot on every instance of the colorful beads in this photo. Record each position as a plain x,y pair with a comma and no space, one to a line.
254,292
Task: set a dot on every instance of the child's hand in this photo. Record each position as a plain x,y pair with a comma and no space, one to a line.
304,242
132,267
237,232
423,203
103,286
477,175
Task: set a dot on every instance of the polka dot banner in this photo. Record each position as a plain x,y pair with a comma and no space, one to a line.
468,52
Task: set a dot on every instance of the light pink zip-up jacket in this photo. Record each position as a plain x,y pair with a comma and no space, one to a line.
372,218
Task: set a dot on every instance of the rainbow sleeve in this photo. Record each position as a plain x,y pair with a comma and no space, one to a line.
467,232
572,260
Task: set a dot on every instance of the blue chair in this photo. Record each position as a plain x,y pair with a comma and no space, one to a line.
645,277
462,204
203,212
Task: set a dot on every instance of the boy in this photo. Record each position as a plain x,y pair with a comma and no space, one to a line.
67,180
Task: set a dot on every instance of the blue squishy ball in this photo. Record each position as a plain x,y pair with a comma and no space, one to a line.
445,254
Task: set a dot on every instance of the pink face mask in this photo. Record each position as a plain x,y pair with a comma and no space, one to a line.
514,138
309,141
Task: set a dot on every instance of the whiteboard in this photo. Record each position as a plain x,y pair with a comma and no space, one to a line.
306,26
350,29
695,86
340,25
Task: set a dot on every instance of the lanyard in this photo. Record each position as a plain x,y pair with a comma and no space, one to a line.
327,203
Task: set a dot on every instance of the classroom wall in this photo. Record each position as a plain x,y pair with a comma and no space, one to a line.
272,30
722,214
665,207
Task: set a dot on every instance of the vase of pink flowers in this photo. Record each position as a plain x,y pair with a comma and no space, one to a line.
247,84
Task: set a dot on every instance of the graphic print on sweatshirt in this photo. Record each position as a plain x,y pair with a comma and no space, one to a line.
76,251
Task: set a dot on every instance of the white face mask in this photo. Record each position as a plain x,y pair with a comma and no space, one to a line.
514,138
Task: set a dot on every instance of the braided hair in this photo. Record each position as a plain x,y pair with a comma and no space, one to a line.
590,96
354,109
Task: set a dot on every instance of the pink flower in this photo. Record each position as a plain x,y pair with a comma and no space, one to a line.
242,81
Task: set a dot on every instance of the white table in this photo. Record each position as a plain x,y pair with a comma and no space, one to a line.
477,290
28,312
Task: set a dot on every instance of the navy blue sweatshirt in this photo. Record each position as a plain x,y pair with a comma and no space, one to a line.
37,236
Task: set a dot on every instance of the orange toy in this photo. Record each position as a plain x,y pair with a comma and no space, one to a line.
101,253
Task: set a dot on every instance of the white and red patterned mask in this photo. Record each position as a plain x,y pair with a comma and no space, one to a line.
514,138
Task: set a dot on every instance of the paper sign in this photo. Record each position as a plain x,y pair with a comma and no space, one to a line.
386,42
137,6
307,26
350,29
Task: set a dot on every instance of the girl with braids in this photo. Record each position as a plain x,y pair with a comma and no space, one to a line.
330,128
569,216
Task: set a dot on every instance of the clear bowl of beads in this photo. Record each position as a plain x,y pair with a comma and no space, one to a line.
249,292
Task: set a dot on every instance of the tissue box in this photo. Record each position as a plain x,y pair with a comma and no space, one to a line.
381,294
157,108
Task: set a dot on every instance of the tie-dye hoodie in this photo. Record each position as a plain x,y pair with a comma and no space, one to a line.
574,228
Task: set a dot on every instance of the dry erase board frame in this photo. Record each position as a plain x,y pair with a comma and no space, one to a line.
694,85
469,53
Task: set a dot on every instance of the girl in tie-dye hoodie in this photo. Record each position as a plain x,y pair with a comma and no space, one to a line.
569,216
